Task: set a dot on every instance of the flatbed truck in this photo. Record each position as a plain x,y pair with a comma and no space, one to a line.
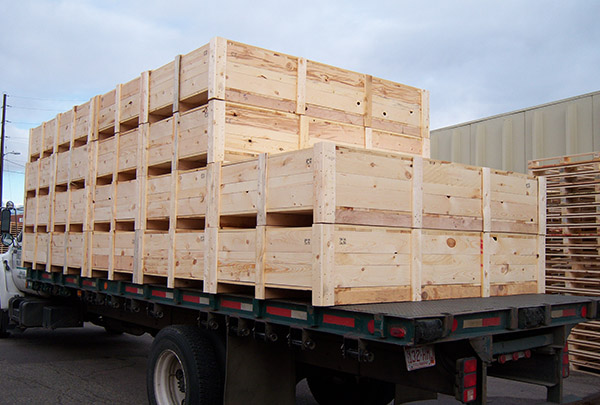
233,349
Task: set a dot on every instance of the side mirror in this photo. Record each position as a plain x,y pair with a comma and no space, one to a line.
7,239
5,217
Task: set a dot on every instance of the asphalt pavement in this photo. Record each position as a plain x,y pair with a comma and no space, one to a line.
89,366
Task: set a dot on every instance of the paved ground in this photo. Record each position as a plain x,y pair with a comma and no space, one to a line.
88,366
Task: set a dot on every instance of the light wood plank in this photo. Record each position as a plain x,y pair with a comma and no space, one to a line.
324,182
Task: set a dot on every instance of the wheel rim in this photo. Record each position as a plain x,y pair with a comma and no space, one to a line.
169,379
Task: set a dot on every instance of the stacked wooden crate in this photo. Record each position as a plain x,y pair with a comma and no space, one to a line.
573,241
215,171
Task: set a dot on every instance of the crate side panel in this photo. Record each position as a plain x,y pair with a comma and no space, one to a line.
61,207
82,121
189,255
288,257
250,130
130,100
65,130
193,133
128,149
106,156
156,253
75,249
127,200
101,250
124,251
514,202
450,259
371,256
261,72
451,196
239,184
158,196
78,206
191,193
237,256
106,111
162,86
193,78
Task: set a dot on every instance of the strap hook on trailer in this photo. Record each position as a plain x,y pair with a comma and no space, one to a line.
300,337
265,331
356,349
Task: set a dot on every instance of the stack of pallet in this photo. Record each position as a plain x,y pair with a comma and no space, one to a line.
216,171
573,241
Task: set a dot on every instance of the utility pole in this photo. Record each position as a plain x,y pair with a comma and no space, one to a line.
2,146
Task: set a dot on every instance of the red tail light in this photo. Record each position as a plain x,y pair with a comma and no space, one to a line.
470,366
466,379
470,380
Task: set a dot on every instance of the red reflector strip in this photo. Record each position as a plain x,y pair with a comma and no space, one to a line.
287,313
563,313
46,276
133,290
231,304
338,320
481,323
191,298
491,321
236,305
70,280
162,294
88,283
195,299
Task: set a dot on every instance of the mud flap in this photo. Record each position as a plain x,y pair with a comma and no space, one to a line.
259,373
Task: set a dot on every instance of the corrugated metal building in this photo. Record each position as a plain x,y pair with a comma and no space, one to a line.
508,141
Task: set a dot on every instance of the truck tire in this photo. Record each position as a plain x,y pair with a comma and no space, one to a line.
183,368
337,388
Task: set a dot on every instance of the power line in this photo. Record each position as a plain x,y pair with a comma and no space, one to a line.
32,108
15,163
47,99
23,123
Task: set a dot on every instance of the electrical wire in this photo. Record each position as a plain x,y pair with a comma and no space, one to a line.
46,99
32,108
14,163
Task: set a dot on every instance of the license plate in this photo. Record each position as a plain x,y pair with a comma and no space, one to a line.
419,357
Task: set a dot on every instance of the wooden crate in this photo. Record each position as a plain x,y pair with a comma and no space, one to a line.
231,71
342,264
415,228
210,172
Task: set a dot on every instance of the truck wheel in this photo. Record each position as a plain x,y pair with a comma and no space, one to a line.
337,388
183,368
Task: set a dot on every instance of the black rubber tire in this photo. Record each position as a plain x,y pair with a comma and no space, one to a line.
199,359
337,388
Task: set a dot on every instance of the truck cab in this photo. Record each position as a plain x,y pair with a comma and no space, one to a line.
13,280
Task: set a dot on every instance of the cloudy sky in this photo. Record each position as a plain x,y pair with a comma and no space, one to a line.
477,58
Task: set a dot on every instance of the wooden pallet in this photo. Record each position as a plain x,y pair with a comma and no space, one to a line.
573,241
339,224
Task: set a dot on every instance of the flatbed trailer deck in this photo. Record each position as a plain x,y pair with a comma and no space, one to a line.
268,345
